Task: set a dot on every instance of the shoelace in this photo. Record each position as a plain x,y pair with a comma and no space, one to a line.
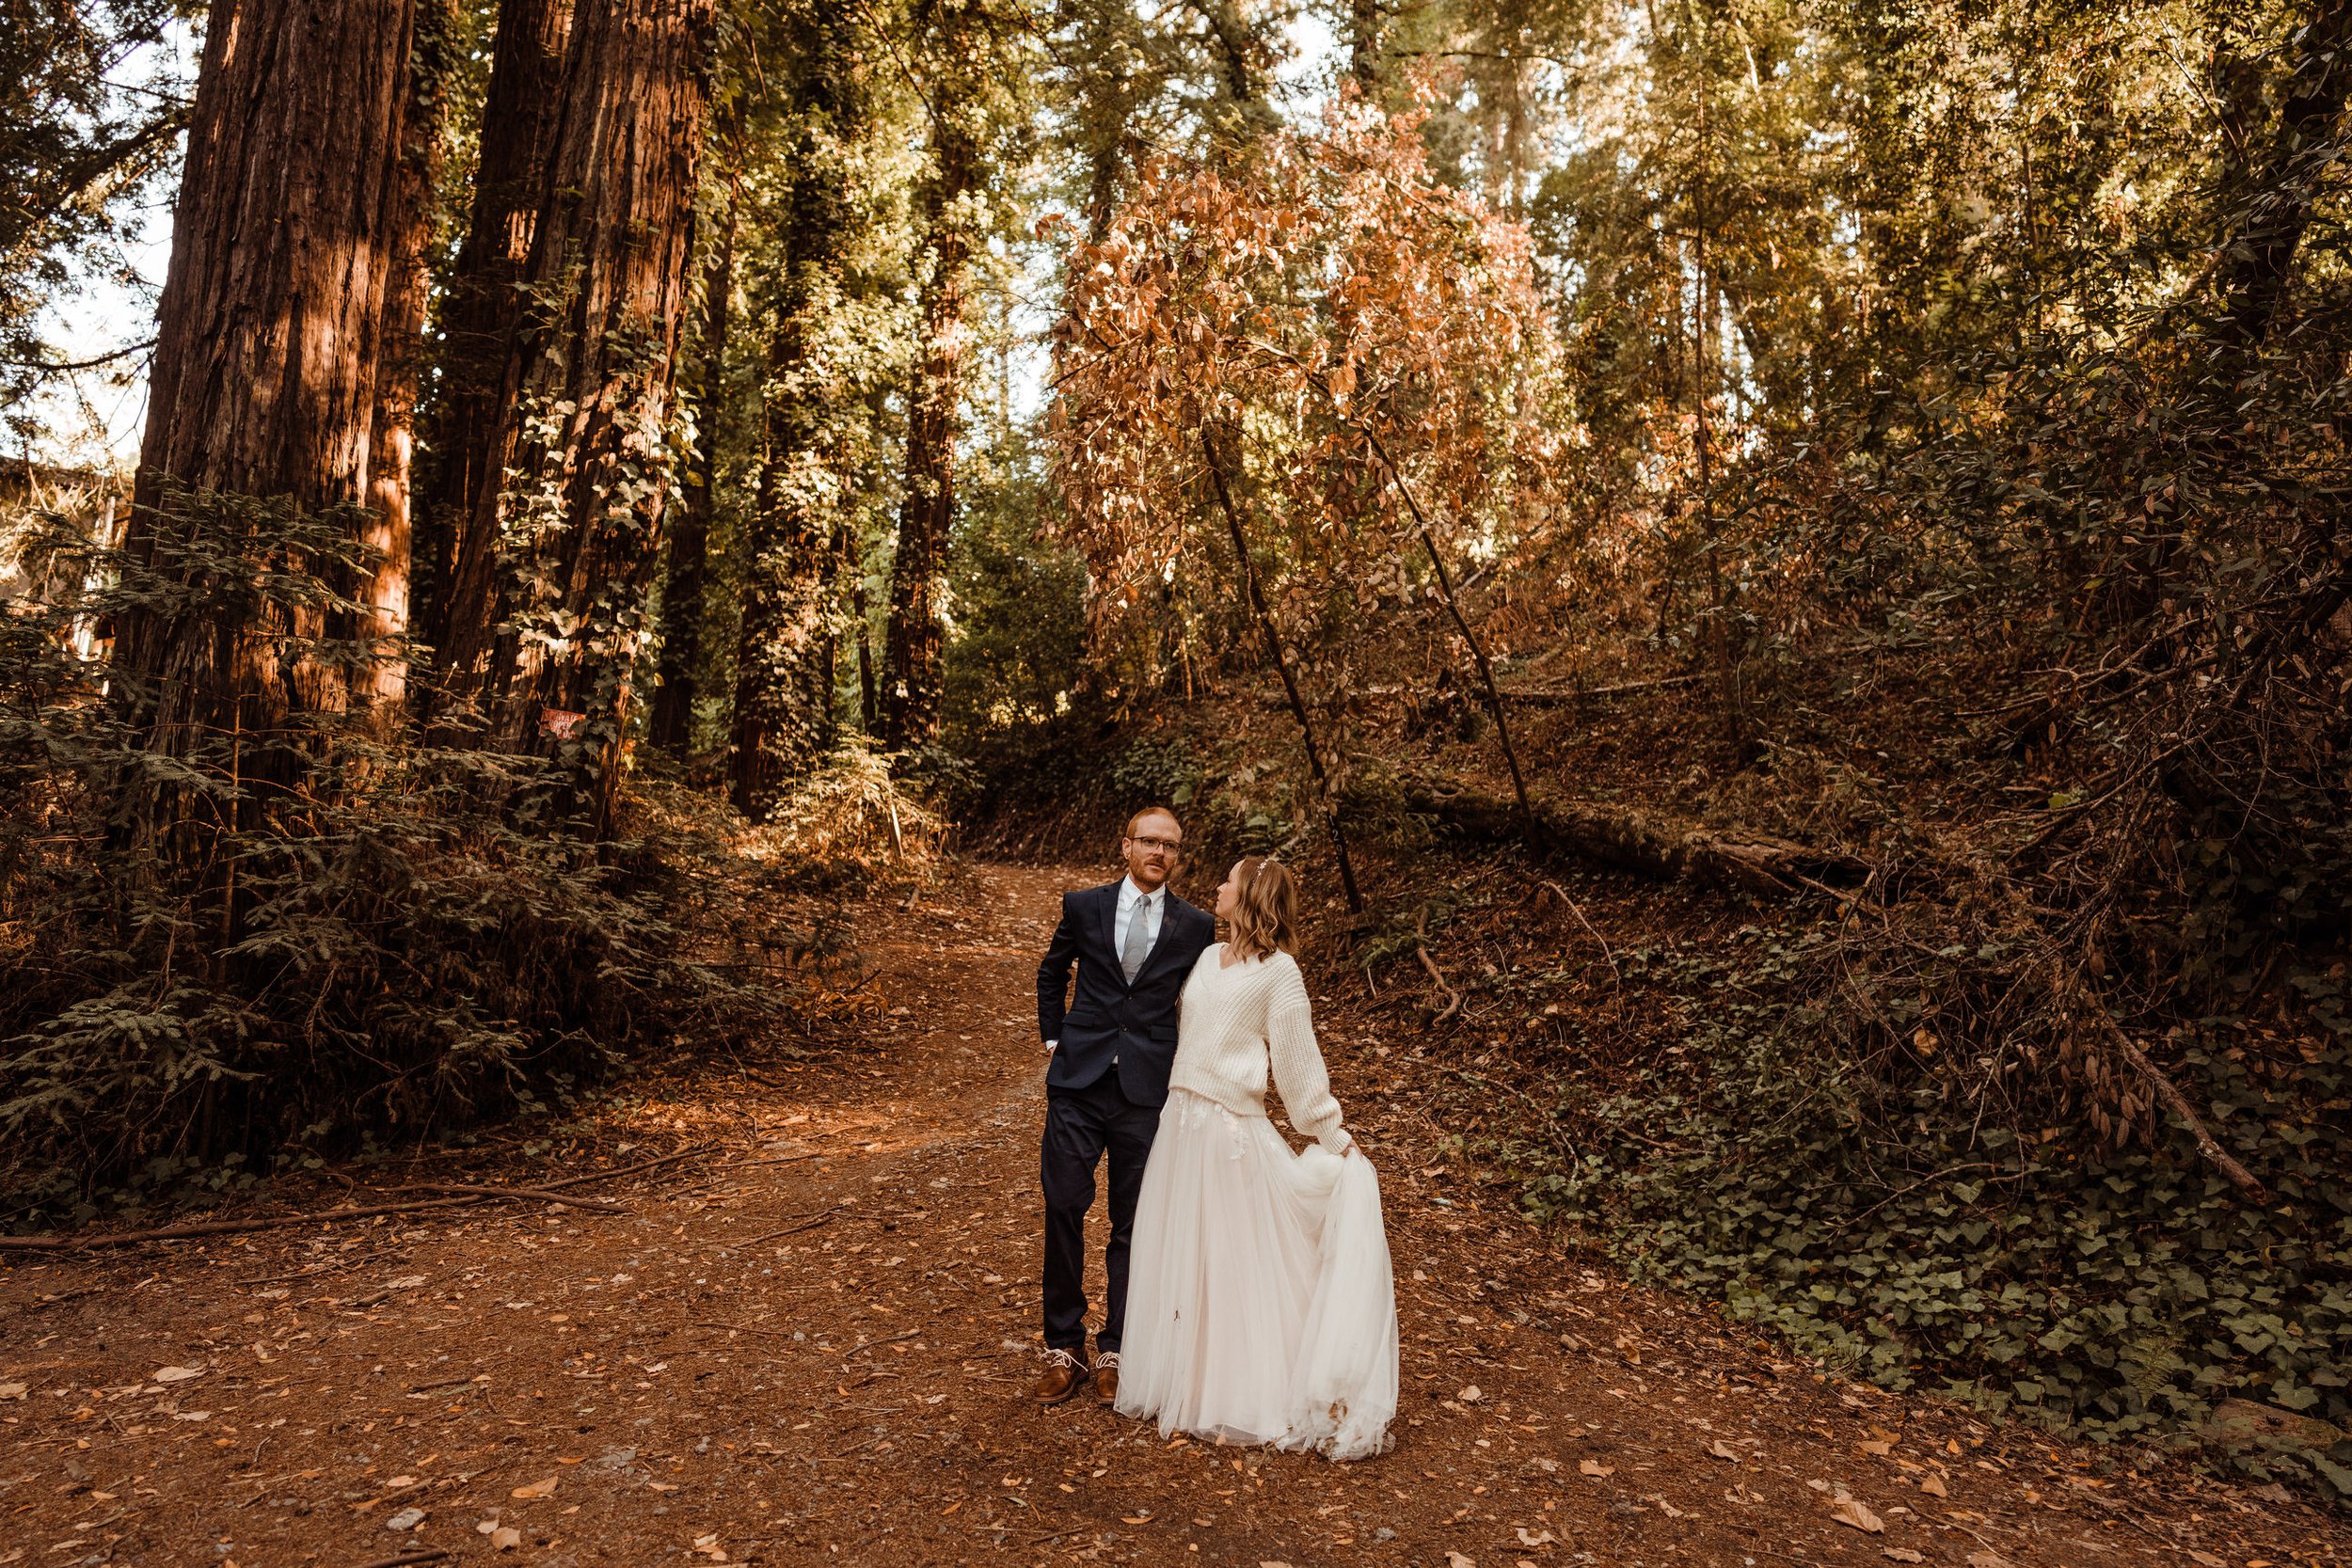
1058,1358
1110,1359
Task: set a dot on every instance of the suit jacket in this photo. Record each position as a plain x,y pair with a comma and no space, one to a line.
1107,1018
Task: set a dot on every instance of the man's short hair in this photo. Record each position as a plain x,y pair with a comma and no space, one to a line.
1153,811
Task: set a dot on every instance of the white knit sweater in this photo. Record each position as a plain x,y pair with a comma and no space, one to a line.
1232,1018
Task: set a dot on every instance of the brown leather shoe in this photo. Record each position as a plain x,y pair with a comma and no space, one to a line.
1064,1375
1107,1379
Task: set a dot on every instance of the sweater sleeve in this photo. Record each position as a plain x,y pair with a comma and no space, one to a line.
1298,1069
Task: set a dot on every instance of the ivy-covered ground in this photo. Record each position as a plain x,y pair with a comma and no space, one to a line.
1650,1070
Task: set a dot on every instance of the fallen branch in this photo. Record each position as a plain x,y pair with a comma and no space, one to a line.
280,1222
807,1224
544,1195
2170,1092
1541,696
1455,1003
633,1170
436,1554
1624,839
224,1227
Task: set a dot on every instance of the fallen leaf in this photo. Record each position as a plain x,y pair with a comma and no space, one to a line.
1471,1395
661,1486
1456,1559
177,1374
505,1538
1594,1467
1902,1554
536,1489
1988,1559
1668,1509
1876,1448
405,1520
1136,1519
11,1390
1269,1563
1722,1449
2206,1559
1541,1538
1846,1511
1934,1486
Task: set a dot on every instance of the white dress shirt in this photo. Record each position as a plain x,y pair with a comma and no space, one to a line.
1128,897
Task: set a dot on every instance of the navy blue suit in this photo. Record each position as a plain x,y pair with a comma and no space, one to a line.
1103,1088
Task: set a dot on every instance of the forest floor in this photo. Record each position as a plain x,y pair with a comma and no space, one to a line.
813,1342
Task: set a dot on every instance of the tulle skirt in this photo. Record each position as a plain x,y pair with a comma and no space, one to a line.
1261,1304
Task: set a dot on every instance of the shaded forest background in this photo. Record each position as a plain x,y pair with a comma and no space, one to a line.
1782,561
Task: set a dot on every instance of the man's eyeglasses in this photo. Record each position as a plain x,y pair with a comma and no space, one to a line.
1173,847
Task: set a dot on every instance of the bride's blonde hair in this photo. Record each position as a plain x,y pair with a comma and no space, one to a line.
1265,908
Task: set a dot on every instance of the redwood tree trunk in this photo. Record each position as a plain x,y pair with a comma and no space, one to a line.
484,303
785,661
270,344
913,674
393,444
672,722
549,603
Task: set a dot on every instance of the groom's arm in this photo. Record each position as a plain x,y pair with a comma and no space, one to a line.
1053,977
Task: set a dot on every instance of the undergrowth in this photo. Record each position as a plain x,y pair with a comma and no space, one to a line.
248,947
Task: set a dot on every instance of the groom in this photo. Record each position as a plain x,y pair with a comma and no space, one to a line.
1113,1042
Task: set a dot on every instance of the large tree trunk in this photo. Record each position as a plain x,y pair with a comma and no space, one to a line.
392,446
914,673
549,603
672,722
784,661
484,303
263,400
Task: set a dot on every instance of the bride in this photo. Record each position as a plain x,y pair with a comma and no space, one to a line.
1260,1307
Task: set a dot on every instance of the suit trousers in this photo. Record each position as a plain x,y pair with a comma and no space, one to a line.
1081,1124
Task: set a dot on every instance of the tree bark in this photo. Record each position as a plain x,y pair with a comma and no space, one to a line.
484,303
270,347
2260,264
549,611
672,722
913,675
1367,27
784,718
392,446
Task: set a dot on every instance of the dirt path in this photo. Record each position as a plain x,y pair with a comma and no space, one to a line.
815,1345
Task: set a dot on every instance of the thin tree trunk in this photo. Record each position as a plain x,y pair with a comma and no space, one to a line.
554,616
385,677
484,303
2277,212
1367,25
1324,793
913,679
269,350
783,719
672,727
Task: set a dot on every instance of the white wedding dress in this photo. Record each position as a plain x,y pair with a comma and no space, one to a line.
1261,1303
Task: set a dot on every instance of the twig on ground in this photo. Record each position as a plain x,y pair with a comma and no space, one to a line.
549,1195
1455,1003
224,1227
433,1554
808,1223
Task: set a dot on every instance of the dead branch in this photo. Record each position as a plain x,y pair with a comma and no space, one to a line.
2170,1092
569,1202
